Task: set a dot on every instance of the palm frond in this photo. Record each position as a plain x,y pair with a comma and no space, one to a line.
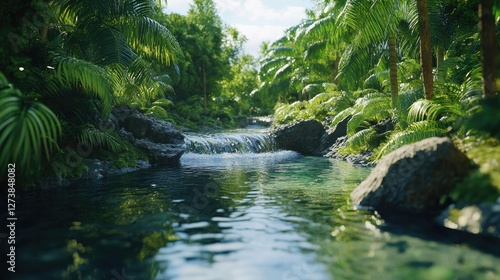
109,46
163,103
342,115
90,77
405,100
283,71
417,132
358,142
280,50
28,130
93,137
314,50
323,26
272,63
352,65
150,39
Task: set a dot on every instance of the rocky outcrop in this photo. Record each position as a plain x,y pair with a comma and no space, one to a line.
160,140
331,136
301,136
358,159
481,219
413,178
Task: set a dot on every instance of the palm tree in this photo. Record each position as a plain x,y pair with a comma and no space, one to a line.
375,23
425,48
488,46
282,71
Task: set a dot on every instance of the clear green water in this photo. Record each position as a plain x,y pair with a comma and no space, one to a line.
257,216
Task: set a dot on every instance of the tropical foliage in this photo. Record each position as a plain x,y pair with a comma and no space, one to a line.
69,62
354,42
402,71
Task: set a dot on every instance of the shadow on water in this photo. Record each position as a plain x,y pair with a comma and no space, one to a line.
232,216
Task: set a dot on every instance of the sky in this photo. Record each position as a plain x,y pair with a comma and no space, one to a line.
258,20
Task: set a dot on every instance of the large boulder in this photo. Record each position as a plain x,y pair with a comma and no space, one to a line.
301,136
413,178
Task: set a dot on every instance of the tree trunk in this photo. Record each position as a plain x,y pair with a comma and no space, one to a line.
488,46
425,48
439,56
204,89
393,71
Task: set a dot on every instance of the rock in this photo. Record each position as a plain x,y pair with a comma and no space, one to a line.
163,132
137,124
331,136
301,136
160,140
160,154
413,178
481,219
384,126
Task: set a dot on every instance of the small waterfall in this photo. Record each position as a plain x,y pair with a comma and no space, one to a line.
235,143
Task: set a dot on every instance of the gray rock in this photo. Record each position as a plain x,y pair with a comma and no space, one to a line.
160,154
137,124
331,136
160,140
142,126
301,136
163,132
481,219
413,178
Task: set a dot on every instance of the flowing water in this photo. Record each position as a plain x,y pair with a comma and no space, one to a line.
255,213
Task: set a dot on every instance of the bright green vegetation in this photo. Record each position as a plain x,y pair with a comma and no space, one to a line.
364,59
66,64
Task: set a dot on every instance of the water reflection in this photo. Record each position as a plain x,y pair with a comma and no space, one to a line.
265,216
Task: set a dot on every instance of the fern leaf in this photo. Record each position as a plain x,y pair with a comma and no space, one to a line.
407,137
91,136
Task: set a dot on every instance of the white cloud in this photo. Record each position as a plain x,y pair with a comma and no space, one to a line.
258,20
258,12
256,34
227,5
177,6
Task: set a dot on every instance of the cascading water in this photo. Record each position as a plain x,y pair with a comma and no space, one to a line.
230,143
235,148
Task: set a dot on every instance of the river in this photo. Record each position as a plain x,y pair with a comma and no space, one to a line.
255,213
